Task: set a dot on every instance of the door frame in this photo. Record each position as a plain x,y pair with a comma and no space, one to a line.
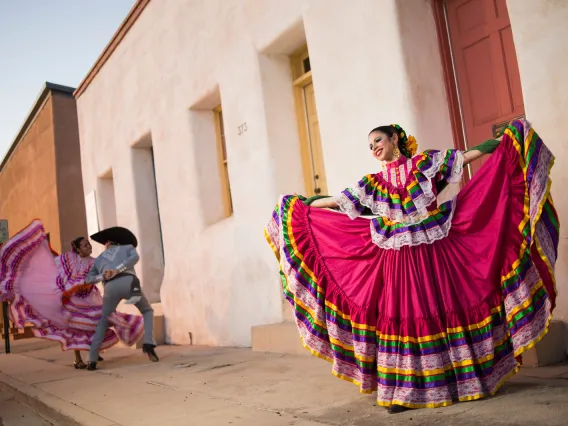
450,77
300,80
306,152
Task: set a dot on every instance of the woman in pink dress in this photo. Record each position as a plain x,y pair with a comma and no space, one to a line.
426,304
48,293
80,256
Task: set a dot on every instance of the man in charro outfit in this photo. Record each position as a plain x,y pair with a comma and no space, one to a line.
115,268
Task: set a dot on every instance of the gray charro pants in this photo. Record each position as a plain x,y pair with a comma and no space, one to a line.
116,290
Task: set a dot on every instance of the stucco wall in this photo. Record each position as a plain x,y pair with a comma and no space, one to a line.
28,187
541,40
182,59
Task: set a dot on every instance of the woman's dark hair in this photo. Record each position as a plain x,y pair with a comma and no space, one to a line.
390,131
76,243
387,130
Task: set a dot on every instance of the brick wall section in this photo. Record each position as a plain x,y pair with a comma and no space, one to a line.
28,180
42,178
71,201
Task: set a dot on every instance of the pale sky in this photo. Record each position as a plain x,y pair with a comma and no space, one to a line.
48,40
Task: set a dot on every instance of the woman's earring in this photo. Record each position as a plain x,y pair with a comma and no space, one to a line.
396,152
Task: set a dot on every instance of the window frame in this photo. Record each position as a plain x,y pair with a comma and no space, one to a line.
223,163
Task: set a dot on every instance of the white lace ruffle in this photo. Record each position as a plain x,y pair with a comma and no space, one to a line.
428,236
346,206
438,160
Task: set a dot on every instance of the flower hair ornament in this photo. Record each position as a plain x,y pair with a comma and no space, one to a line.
406,143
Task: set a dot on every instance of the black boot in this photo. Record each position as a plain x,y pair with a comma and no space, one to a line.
395,409
91,366
149,350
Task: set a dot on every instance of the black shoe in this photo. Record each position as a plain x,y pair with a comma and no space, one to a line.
149,350
100,359
91,366
395,409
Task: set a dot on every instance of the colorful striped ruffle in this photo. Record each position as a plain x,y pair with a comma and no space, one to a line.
409,203
405,216
529,288
83,309
73,271
432,370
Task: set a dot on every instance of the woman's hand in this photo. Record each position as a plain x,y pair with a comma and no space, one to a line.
500,138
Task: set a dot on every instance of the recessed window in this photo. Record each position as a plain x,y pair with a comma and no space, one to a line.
223,163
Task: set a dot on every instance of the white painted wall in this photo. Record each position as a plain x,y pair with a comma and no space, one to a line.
541,41
183,57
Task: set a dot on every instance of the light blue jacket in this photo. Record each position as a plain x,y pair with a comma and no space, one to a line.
121,258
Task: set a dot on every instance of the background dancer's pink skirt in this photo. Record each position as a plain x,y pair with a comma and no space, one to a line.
433,323
34,284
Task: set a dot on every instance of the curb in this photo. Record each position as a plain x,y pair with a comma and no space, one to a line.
61,412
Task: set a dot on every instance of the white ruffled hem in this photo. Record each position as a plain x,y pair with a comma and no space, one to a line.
416,238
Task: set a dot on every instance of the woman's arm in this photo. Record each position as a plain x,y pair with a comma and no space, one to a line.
319,201
487,147
94,277
324,203
472,155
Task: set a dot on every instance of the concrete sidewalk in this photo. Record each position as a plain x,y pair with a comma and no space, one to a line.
219,386
15,413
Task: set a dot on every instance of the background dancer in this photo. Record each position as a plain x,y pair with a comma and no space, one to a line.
115,268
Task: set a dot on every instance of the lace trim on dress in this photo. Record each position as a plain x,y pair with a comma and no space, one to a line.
414,235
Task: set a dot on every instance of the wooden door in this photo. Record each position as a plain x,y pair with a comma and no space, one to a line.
486,67
308,124
314,140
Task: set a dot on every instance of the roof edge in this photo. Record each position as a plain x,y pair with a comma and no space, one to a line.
116,39
30,118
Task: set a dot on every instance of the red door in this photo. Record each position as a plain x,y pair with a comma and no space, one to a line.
486,67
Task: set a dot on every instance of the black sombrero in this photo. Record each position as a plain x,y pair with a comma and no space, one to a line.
116,234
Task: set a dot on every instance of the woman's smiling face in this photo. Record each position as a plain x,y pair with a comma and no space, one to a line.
381,146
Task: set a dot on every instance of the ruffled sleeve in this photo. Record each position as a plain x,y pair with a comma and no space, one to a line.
408,203
349,201
441,166
372,193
